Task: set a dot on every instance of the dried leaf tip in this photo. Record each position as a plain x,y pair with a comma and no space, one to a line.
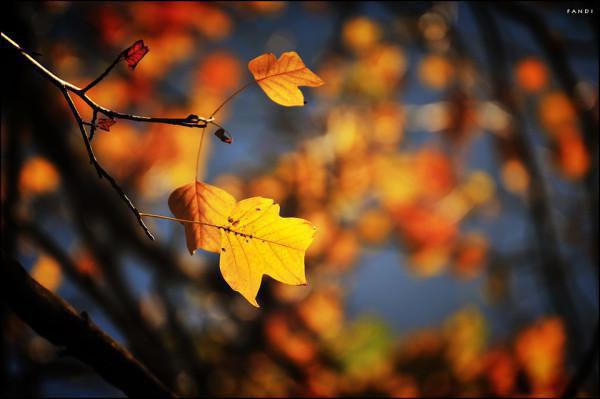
135,53
105,123
224,136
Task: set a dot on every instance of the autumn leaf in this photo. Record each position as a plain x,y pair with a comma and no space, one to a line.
224,136
105,123
251,237
280,78
135,53
202,203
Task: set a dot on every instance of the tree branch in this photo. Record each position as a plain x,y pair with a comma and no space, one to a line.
68,88
558,61
101,171
584,369
552,271
104,74
54,319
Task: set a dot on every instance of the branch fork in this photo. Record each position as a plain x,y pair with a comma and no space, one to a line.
137,50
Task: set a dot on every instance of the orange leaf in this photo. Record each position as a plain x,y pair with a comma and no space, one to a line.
252,238
202,203
280,78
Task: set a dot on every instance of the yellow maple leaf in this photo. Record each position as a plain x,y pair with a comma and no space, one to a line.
280,78
251,237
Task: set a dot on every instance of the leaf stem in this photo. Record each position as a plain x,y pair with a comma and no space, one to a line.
199,153
235,93
152,215
211,120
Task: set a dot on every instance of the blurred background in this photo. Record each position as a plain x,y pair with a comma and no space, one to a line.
450,164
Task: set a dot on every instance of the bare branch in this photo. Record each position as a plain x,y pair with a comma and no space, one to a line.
57,321
39,67
68,88
552,271
101,171
103,74
93,125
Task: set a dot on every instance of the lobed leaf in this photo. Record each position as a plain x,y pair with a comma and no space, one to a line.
258,241
280,78
253,239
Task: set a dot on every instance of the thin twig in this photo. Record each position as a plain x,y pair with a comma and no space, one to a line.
67,89
235,93
93,125
39,67
103,74
101,171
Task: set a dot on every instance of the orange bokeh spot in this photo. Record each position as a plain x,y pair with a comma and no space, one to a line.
374,226
265,6
470,256
388,125
572,156
113,26
501,372
540,351
326,230
86,264
323,313
118,149
220,71
47,272
38,176
343,250
269,187
294,345
436,71
424,227
434,173
514,176
531,74
429,261
361,33
232,184
556,111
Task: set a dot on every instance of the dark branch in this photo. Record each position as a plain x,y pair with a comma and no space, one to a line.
93,125
101,171
552,271
103,74
584,369
57,321
557,59
68,88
